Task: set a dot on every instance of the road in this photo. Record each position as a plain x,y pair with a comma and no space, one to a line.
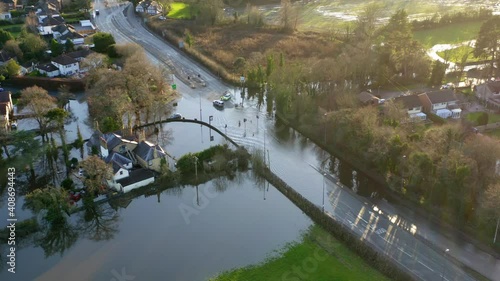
414,244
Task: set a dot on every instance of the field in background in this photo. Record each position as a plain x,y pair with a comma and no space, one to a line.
451,34
179,11
319,257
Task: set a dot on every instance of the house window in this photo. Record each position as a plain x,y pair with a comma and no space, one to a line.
121,172
150,163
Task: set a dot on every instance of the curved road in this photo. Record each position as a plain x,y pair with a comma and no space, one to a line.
413,243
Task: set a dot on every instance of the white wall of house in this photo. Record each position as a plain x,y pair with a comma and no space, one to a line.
44,30
139,8
5,16
437,106
136,185
414,110
69,69
49,73
120,174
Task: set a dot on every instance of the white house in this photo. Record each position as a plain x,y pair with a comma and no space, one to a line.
67,65
137,178
413,106
443,103
48,69
48,22
5,16
149,7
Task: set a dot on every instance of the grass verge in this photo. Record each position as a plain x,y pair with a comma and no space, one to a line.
318,257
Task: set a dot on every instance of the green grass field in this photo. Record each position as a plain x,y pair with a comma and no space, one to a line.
179,11
317,257
14,29
455,55
451,34
492,118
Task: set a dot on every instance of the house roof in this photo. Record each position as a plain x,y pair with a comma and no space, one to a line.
118,158
5,97
71,35
52,20
410,101
82,53
146,151
47,67
136,176
112,140
441,96
60,28
365,97
5,56
64,60
95,139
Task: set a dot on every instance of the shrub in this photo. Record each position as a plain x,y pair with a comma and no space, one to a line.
483,119
436,119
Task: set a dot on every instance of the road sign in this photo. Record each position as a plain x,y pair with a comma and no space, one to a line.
174,86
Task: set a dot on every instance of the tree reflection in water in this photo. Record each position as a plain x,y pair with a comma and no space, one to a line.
97,221
56,238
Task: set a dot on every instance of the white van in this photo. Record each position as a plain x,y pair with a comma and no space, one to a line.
218,103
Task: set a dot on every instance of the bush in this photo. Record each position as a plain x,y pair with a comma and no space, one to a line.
67,184
483,119
17,13
5,22
436,119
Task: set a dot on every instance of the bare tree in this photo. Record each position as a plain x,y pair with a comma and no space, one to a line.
96,174
38,102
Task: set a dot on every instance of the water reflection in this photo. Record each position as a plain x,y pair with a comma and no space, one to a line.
97,221
230,215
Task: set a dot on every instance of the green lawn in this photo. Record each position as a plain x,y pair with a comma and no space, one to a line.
450,34
492,118
317,257
179,11
455,55
14,29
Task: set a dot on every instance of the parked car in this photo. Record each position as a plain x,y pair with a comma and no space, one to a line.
218,103
162,18
96,12
175,116
13,126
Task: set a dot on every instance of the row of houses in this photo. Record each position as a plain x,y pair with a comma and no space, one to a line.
443,103
134,162
149,7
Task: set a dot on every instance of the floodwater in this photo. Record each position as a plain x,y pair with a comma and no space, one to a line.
173,235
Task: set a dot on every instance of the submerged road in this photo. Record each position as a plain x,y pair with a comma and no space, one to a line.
414,244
